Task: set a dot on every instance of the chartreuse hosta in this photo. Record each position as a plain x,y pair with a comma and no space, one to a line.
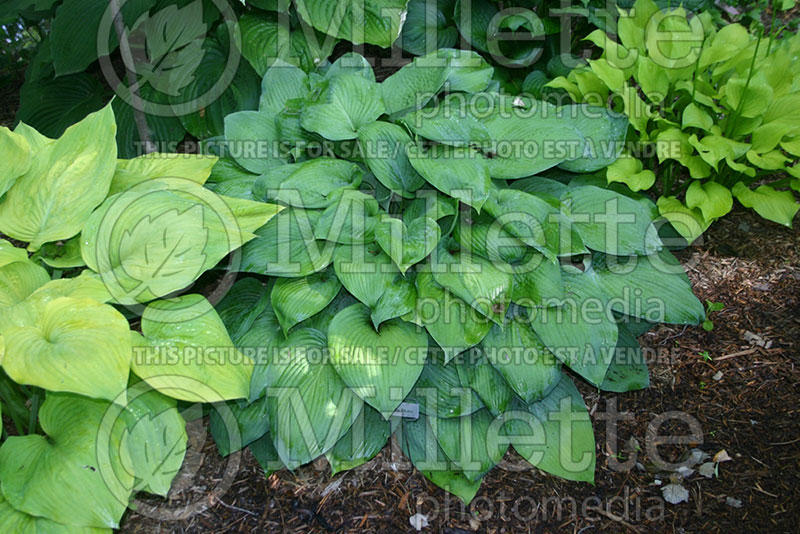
93,403
440,252
721,106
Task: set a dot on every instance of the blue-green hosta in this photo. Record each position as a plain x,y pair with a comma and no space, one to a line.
93,402
438,253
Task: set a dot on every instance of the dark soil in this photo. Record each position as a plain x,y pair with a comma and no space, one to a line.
744,401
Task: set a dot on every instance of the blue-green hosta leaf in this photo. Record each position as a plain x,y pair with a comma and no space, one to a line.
380,367
281,83
75,475
473,20
448,122
654,288
520,356
398,299
311,184
350,220
161,235
17,158
74,345
427,19
555,434
264,452
362,442
439,392
773,205
487,382
66,181
487,238
527,141
407,244
241,306
688,222
296,299
451,322
12,520
156,434
417,83
384,147
610,222
603,134
459,172
579,329
378,22
186,352
420,445
365,272
467,440
535,280
253,138
236,424
18,279
309,407
536,223
286,246
628,370
483,284
267,41
339,107
129,172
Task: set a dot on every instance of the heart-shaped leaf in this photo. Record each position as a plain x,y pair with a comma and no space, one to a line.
380,367
440,392
342,105
410,243
459,172
365,272
487,382
384,148
296,299
307,185
350,220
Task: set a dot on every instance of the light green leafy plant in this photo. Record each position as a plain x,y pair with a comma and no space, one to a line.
719,108
432,269
93,402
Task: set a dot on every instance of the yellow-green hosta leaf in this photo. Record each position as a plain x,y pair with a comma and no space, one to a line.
186,352
17,158
63,254
9,253
689,222
75,475
87,285
129,172
67,180
751,97
161,235
380,367
695,117
75,345
631,172
712,199
773,205
19,279
309,406
296,299
17,522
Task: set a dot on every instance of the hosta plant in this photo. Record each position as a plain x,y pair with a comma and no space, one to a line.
97,241
719,108
441,271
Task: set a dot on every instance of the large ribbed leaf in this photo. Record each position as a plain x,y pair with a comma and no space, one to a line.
17,158
66,181
383,145
365,272
440,392
18,279
241,306
578,330
161,235
342,105
468,441
558,438
253,138
407,243
12,520
610,222
398,299
130,172
286,246
186,352
487,382
459,172
449,320
380,367
376,22
628,370
311,184
76,474
448,123
365,439
521,357
350,220
309,406
281,83
296,299
236,424
428,19
654,288
420,445
603,134
74,345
